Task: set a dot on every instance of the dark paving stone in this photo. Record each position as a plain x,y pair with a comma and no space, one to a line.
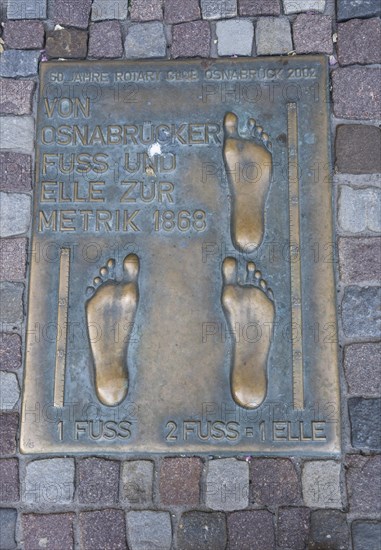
293,528
98,481
9,475
105,40
49,531
365,417
102,529
23,35
358,149
252,530
356,92
66,43
313,34
9,423
191,39
10,351
206,531
358,41
180,481
329,530
8,518
258,7
16,96
12,259
366,535
141,10
72,13
362,367
348,9
15,172
364,484
274,482
360,312
360,259
180,11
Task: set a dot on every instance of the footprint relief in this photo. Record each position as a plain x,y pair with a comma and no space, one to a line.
248,306
248,164
112,300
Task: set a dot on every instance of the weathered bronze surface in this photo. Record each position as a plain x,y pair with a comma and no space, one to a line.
182,293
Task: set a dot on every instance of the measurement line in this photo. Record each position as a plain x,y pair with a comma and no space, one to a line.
295,259
62,325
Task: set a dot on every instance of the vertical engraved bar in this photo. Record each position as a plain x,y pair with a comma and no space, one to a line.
62,326
295,259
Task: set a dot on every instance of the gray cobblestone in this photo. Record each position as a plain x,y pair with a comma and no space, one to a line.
360,312
297,6
106,9
364,416
147,530
11,299
137,482
356,92
16,96
360,209
15,172
15,214
27,9
72,13
49,481
252,8
348,9
19,63
218,9
365,533
17,134
145,40
321,484
362,365
9,390
273,36
227,484
8,518
235,37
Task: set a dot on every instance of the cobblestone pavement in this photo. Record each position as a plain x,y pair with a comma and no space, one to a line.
167,503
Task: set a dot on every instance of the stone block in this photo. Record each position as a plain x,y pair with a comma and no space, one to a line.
141,10
145,40
15,172
329,530
11,299
227,484
10,351
9,390
102,529
15,212
98,481
51,531
358,149
274,482
253,8
313,34
191,39
16,96
321,484
297,6
360,314
17,133
273,36
72,13
180,481
9,423
358,41
181,11
218,9
356,93
251,530
8,518
235,37
202,530
364,415
106,9
27,9
19,63
66,44
12,260
349,9
360,209
105,40
360,259
361,366
363,476
147,530
137,482
24,35
365,534
49,482
9,475
293,528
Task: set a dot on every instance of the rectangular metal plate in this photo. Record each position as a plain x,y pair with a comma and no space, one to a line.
182,295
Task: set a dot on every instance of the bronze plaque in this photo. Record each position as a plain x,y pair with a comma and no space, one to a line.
182,295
